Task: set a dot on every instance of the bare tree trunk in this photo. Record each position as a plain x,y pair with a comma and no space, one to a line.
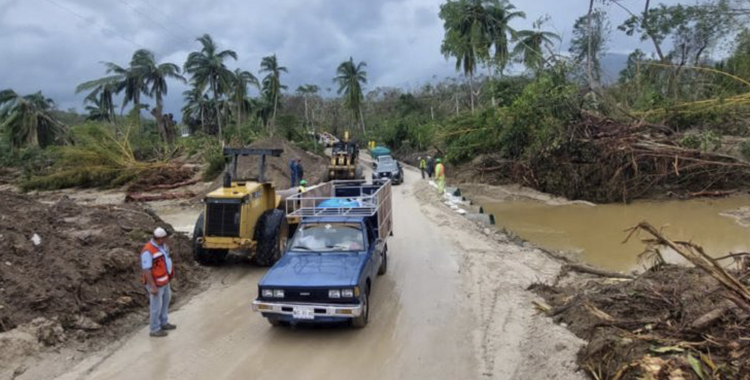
471,91
492,85
218,112
432,113
589,52
362,119
456,103
275,105
653,38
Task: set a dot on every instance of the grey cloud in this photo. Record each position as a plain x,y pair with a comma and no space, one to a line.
45,47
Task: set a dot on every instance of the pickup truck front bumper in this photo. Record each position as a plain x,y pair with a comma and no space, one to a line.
322,311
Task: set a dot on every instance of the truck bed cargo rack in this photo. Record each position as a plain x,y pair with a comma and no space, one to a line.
354,198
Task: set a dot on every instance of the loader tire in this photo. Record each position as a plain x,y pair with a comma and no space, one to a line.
202,255
271,234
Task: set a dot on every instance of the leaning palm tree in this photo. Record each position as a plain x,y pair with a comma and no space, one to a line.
350,79
27,120
239,92
272,82
155,79
530,48
208,70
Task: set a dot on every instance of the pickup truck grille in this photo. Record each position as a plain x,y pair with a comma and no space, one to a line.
310,296
223,219
385,175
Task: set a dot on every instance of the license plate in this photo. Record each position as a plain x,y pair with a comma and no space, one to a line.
303,313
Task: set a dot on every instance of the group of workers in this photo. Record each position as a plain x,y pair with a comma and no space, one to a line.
433,168
298,175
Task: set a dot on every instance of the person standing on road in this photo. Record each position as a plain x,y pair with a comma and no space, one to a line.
157,272
430,166
293,171
300,171
422,165
440,176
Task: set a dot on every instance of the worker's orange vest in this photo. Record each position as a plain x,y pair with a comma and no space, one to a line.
158,266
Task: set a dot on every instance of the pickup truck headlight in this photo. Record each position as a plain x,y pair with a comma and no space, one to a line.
278,293
334,293
267,293
347,293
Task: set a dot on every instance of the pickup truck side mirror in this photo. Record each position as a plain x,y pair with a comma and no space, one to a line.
374,165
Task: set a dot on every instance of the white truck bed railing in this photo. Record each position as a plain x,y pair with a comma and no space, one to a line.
360,199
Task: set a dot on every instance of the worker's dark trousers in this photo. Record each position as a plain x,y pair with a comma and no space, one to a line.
422,172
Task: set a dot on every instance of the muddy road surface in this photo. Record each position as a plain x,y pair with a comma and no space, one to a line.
426,321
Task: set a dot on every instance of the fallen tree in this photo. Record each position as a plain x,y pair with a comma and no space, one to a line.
669,323
602,160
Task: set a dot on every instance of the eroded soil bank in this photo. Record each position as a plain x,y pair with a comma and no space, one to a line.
69,275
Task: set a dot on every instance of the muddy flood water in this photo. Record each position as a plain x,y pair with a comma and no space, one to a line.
597,232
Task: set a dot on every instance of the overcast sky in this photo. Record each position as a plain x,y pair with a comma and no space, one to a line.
53,45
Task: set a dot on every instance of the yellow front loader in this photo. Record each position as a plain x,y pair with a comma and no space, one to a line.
242,215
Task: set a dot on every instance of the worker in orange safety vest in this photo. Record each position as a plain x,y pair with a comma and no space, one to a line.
157,272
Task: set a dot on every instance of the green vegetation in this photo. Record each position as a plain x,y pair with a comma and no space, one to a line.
482,112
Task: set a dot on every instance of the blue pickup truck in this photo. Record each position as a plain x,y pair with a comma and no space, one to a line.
338,249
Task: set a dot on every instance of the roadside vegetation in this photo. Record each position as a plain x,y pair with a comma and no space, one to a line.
518,107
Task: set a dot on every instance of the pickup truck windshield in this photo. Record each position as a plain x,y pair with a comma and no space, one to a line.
329,237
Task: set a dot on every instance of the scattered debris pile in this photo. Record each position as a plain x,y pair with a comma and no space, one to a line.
607,161
77,267
155,184
668,323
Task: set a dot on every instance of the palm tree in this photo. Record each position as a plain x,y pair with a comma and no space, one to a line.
272,86
154,77
208,70
28,120
350,78
101,96
530,48
306,91
473,29
500,15
131,83
239,92
97,110
197,106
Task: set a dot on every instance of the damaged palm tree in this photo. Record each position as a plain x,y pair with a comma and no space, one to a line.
97,159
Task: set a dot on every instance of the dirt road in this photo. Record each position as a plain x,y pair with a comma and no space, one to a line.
438,313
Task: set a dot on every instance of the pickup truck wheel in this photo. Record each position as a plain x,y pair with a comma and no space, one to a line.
363,318
271,234
384,264
202,255
276,322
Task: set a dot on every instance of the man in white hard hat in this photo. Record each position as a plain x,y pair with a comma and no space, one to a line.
157,273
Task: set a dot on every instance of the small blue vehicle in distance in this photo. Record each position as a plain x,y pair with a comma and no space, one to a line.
336,252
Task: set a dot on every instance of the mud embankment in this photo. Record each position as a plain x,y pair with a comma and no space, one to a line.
69,274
